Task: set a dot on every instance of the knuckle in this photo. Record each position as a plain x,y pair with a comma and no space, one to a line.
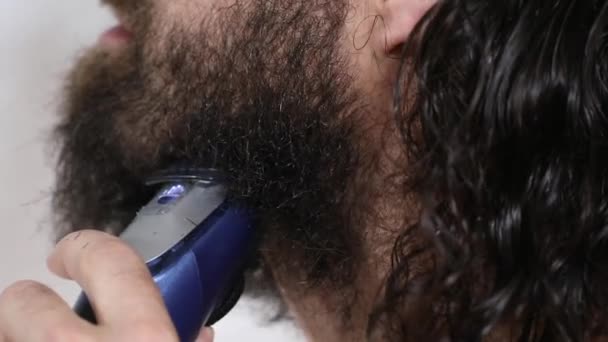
23,289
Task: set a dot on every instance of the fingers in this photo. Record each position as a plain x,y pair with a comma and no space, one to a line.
116,281
122,292
206,335
30,311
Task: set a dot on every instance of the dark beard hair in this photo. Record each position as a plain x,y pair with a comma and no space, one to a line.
507,135
272,107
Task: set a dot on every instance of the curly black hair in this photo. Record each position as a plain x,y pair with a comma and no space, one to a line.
503,108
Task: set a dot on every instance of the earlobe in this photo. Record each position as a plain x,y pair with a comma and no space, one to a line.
400,17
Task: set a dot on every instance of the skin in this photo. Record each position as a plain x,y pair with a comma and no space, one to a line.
30,311
372,33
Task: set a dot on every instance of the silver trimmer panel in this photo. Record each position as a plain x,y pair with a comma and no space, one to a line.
172,214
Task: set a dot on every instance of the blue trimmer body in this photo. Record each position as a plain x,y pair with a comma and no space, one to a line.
195,244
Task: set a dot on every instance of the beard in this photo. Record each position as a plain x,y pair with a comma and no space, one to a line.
260,92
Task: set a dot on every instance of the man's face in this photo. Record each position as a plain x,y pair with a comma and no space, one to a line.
287,97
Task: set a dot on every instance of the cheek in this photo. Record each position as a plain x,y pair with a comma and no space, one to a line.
188,14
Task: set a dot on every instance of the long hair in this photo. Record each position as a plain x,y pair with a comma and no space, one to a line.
503,109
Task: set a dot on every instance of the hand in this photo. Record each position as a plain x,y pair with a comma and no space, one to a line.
127,302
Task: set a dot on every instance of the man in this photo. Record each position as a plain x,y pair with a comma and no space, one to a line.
419,170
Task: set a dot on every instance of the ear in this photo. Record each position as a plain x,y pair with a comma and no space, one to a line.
400,17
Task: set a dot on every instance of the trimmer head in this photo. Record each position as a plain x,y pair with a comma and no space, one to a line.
195,244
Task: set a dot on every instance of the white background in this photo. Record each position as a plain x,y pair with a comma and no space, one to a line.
39,40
